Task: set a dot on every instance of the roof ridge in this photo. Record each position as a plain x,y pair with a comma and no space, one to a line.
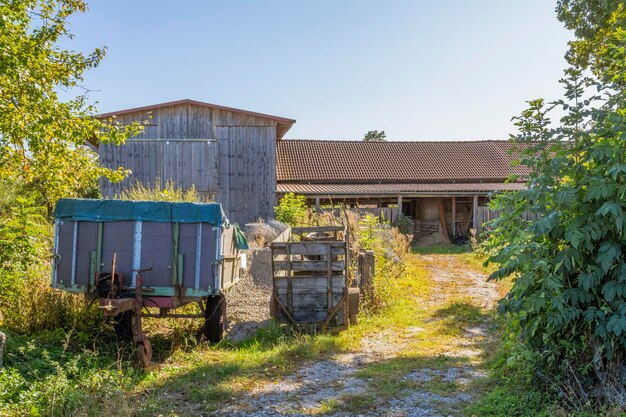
398,141
197,103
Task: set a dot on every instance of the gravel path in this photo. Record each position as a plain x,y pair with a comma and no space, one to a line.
331,380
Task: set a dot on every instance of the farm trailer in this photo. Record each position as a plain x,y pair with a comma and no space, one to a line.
134,256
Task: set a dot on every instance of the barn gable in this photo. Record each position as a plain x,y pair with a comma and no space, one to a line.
227,154
191,119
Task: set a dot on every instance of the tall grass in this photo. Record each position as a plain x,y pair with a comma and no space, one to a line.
168,191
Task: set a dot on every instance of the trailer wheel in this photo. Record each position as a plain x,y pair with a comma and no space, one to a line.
215,318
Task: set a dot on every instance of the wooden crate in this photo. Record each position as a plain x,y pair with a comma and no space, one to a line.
310,278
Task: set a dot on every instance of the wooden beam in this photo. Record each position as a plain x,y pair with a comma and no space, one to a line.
475,213
454,216
442,218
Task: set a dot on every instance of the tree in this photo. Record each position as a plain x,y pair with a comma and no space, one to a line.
42,139
375,136
43,152
569,286
593,23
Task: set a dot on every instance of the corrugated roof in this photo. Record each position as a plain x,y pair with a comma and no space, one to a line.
340,162
350,189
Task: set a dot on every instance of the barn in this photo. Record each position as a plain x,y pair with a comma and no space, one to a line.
240,159
441,187
228,154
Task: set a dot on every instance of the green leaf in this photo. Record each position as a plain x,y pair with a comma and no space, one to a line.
610,290
574,237
607,255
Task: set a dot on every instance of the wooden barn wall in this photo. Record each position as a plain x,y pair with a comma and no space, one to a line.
235,163
247,172
185,162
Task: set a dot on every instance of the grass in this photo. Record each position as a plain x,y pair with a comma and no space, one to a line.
92,375
209,376
89,375
446,249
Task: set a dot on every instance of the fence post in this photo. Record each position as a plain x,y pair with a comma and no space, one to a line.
367,274
475,221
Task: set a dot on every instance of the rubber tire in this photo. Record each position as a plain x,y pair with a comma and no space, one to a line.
123,325
215,318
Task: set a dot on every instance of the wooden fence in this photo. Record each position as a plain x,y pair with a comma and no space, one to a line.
365,273
484,215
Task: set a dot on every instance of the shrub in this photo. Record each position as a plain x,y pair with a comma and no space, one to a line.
569,291
404,224
27,302
291,209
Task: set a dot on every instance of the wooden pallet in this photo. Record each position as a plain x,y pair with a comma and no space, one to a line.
310,280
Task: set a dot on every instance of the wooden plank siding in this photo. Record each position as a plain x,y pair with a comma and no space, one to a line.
227,156
187,121
186,163
247,161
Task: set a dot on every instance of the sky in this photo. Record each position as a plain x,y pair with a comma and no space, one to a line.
417,69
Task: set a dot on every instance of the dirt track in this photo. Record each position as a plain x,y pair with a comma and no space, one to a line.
440,386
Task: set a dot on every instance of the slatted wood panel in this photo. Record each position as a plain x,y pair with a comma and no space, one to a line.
310,284
247,171
484,215
186,162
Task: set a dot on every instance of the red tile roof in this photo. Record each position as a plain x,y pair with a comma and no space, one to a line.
360,189
351,162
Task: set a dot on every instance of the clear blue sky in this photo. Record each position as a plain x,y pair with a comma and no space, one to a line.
420,70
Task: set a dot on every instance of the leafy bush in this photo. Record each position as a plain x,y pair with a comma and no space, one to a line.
569,293
291,209
404,224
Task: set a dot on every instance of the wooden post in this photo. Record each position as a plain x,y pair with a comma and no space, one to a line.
453,216
367,274
475,214
442,218
399,207
317,204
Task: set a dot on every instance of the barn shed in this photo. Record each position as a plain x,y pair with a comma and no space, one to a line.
228,154
442,187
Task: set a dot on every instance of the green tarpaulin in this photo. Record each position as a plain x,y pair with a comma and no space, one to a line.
240,239
147,211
